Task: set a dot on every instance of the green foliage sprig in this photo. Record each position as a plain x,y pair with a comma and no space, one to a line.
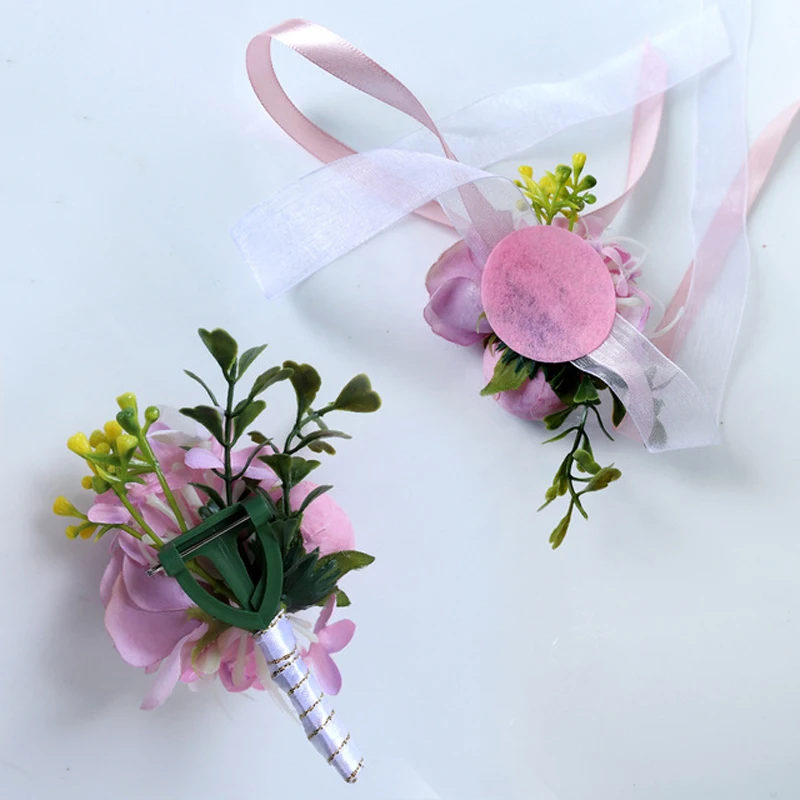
309,579
562,192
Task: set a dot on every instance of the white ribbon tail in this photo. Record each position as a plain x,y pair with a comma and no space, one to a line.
667,408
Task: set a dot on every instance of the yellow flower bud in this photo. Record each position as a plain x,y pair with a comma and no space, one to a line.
86,482
547,184
112,429
104,448
96,438
127,400
126,443
79,444
578,161
71,531
64,508
526,172
87,532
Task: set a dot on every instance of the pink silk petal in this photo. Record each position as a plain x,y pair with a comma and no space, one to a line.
171,669
454,312
107,514
138,551
158,521
337,636
110,575
455,262
325,670
200,458
325,614
143,637
156,593
534,400
325,524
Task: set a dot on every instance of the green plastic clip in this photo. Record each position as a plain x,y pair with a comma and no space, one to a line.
241,544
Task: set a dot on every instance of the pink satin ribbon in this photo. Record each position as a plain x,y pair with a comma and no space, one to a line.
344,61
339,58
725,227
647,117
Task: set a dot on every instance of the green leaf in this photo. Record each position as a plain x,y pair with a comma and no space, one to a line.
550,495
312,496
248,357
358,396
210,492
342,599
605,476
348,560
561,435
267,379
258,438
307,579
322,447
285,530
585,461
209,418
506,378
290,469
308,440
554,421
222,346
203,384
560,531
104,458
246,417
586,392
306,382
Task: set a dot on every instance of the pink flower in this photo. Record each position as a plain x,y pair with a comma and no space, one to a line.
211,454
533,400
330,639
152,622
455,308
624,263
324,524
146,618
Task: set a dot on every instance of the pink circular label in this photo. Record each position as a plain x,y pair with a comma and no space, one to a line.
547,294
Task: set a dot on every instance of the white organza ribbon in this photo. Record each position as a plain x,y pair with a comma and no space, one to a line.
328,213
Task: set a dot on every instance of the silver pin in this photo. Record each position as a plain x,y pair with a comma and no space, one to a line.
154,570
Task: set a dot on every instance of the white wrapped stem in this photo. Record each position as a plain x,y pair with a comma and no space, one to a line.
320,722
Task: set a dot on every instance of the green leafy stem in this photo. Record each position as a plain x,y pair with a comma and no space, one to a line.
309,579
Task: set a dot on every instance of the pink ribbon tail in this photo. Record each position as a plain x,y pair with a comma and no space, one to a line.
344,61
724,229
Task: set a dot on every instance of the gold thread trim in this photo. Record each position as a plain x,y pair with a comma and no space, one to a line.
278,618
354,773
315,732
284,657
300,683
286,665
312,706
339,749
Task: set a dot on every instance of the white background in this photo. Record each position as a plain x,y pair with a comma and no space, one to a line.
655,655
